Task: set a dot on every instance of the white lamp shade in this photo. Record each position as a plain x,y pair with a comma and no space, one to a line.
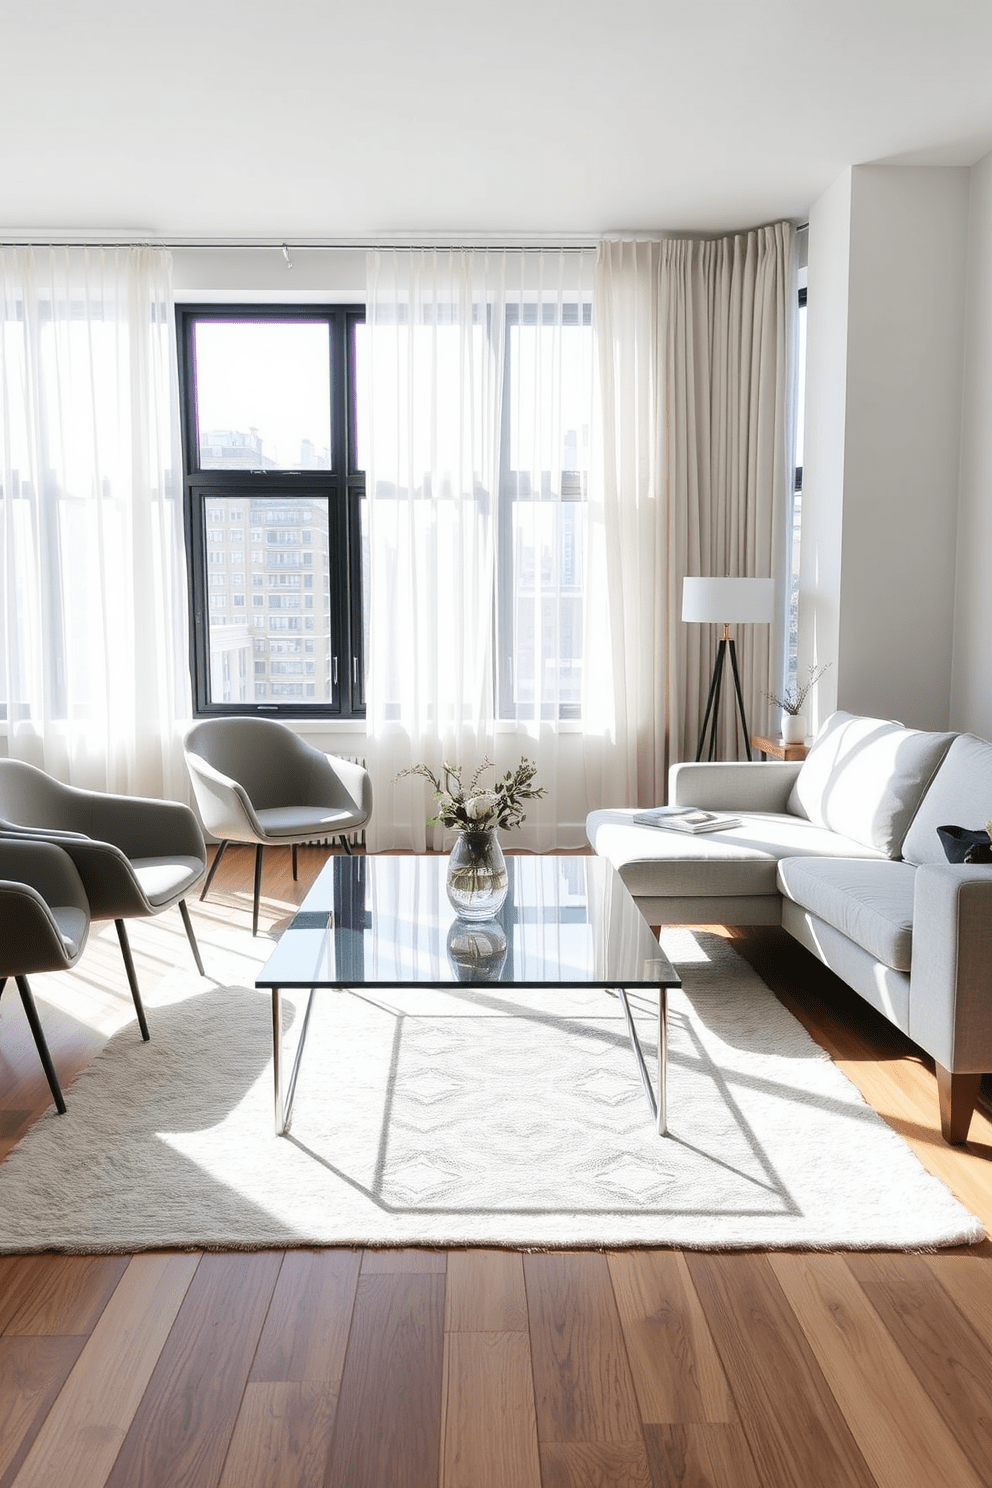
728,601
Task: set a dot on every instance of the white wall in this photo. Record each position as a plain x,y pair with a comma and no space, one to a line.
261,275
971,681
887,277
823,454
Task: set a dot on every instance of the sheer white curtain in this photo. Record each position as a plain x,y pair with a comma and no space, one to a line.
697,371
479,398
93,653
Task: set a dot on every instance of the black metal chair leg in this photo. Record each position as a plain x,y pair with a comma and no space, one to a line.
188,924
346,844
213,869
258,888
294,863
42,1047
132,978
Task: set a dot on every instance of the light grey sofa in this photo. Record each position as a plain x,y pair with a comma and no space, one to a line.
842,851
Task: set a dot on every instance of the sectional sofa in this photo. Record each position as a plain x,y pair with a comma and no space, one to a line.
842,850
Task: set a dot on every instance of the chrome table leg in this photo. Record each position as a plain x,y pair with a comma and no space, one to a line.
284,1099
659,1103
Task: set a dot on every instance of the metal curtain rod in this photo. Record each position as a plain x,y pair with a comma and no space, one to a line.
567,243
296,245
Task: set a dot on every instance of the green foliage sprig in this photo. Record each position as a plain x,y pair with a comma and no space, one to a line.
469,808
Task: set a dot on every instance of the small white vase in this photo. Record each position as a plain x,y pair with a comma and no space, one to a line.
793,728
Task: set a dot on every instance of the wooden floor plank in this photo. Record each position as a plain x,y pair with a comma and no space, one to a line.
794,1426
485,1292
594,1465
677,1373
282,1436
495,1445
900,1432
32,1372
15,1273
309,1318
967,1279
582,1383
384,1262
183,1426
951,1361
60,1296
388,1430
700,1455
83,1431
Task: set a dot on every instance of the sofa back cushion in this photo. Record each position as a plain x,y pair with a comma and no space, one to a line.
865,778
960,796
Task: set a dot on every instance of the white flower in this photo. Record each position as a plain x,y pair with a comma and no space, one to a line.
481,806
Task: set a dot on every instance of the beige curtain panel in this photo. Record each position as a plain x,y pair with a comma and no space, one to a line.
697,353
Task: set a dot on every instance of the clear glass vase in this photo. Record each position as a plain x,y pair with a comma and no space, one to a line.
477,880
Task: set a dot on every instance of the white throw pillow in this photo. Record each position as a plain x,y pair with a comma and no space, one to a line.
865,778
961,796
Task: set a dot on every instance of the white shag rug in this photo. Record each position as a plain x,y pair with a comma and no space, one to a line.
477,1115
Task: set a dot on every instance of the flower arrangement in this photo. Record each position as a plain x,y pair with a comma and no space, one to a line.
470,808
792,699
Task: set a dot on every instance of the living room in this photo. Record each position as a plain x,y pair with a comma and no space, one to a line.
270,157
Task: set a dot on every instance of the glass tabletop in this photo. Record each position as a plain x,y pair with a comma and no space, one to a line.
384,921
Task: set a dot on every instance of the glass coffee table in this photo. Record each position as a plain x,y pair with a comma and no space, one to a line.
384,920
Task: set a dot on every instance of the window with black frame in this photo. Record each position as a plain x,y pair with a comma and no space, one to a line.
274,508
544,468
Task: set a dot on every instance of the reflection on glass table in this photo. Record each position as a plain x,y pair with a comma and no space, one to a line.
385,921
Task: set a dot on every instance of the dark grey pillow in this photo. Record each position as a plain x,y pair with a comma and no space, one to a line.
962,845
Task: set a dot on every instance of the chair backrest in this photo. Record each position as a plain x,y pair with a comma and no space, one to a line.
261,754
44,913
30,798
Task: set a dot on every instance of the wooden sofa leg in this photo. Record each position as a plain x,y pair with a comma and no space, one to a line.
958,1094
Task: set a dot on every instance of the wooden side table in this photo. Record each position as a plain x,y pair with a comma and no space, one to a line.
778,749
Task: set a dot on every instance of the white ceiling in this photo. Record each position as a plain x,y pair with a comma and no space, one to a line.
319,120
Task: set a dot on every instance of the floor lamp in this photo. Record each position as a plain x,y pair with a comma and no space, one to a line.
726,602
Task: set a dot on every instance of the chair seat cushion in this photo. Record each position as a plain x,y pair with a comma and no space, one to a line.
656,862
304,821
869,902
72,924
165,880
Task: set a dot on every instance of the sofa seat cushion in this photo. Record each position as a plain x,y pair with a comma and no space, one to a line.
869,902
655,862
865,778
960,796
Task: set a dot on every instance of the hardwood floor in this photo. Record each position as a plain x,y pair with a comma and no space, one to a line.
482,1368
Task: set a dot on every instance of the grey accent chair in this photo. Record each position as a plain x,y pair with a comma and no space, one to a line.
136,856
44,922
255,780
